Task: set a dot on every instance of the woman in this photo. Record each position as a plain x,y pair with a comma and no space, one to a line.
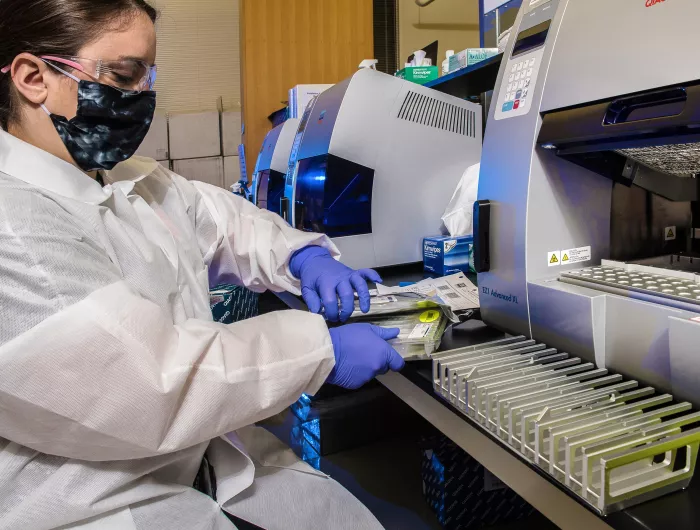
115,380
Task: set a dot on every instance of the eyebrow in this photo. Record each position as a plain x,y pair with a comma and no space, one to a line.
133,58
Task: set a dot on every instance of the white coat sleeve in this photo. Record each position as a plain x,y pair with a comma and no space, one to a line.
92,370
243,244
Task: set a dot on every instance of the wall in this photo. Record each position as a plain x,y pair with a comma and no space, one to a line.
198,55
454,23
291,42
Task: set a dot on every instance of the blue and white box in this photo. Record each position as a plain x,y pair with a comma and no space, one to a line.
445,255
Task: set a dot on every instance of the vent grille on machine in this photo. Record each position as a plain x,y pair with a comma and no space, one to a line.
432,112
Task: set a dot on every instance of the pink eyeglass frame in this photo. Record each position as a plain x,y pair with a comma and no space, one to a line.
67,62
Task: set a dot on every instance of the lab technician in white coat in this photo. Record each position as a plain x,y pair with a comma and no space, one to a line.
114,379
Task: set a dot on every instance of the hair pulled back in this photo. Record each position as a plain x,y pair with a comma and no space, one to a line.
54,27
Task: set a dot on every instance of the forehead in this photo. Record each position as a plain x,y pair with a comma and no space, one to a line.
133,37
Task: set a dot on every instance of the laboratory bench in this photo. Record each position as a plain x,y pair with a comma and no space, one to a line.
414,386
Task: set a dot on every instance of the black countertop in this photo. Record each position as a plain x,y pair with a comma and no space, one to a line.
678,511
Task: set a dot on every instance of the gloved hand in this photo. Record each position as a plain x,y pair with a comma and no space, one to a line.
324,280
361,353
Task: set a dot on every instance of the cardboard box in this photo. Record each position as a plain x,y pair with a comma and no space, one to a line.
209,170
470,57
232,171
155,145
418,74
445,255
195,135
231,133
232,303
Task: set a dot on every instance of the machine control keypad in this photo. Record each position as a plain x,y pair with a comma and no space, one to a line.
518,84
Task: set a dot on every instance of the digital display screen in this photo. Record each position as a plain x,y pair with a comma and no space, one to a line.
532,38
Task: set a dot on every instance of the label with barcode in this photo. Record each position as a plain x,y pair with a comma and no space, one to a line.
380,300
444,287
462,285
420,331
452,295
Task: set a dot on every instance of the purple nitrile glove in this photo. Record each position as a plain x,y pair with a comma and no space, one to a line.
362,353
324,280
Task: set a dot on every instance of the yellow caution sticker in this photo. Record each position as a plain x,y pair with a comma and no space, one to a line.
554,258
565,258
429,316
670,233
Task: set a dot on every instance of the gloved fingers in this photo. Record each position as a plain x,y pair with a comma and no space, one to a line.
370,275
360,285
329,297
312,299
396,362
347,299
384,369
386,333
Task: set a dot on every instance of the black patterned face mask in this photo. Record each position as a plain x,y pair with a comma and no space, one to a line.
109,127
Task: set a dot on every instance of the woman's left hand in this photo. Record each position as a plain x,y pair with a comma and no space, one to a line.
329,285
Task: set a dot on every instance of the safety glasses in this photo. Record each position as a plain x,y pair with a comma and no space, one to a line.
126,75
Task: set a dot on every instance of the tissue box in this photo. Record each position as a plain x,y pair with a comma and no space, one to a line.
195,135
470,57
418,74
462,493
445,255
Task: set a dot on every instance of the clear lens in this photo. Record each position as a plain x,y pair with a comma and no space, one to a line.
152,76
125,75
128,75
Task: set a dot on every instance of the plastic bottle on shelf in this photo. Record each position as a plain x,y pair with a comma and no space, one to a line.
446,62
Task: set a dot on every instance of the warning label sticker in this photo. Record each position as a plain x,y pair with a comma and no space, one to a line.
575,255
670,233
554,258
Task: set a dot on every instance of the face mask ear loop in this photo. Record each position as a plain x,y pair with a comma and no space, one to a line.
74,78
43,107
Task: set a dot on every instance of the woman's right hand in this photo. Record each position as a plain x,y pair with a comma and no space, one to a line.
361,353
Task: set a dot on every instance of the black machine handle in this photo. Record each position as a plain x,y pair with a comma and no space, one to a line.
620,109
284,206
299,214
482,235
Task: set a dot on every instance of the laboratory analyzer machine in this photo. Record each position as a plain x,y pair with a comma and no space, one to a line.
271,167
375,162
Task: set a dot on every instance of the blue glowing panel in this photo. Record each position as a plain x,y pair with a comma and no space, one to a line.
334,197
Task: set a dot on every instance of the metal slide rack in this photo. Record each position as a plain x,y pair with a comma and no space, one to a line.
668,286
611,441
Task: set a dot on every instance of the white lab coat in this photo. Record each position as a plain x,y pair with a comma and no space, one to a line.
114,378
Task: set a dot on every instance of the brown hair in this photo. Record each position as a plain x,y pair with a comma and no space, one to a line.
57,27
